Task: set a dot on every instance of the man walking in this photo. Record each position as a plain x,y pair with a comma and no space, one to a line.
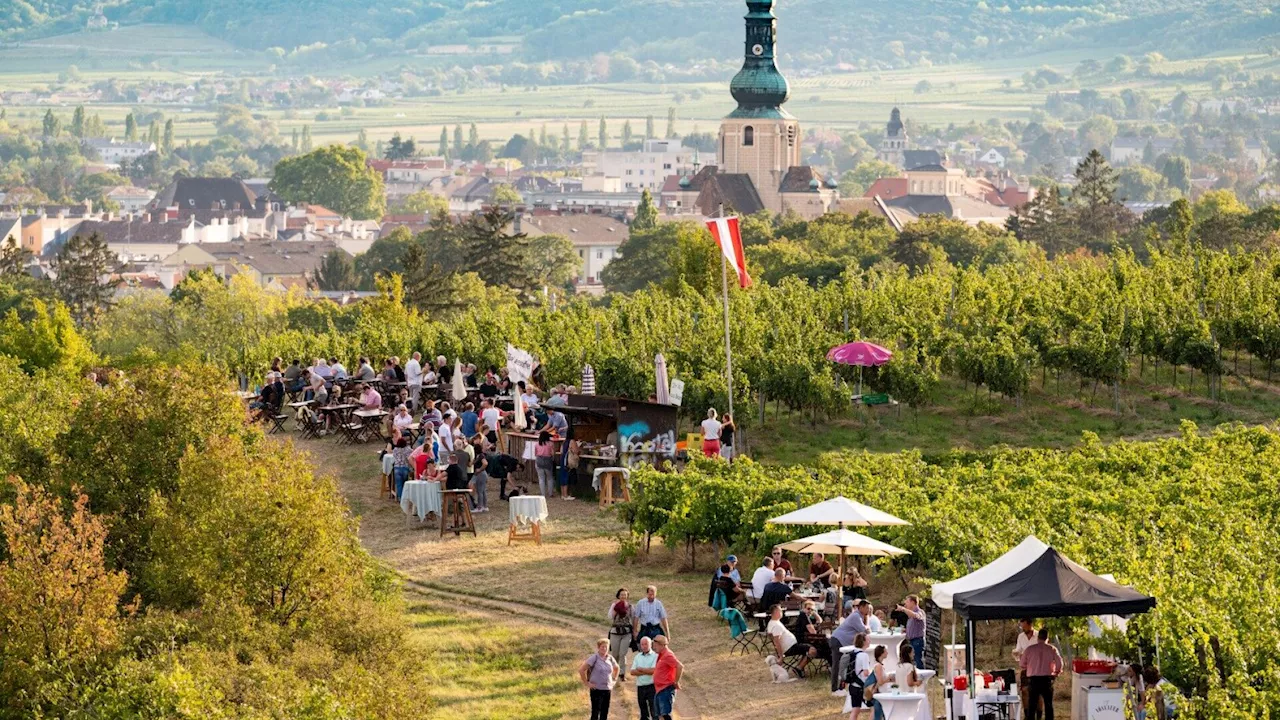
666,679
643,665
651,616
1042,663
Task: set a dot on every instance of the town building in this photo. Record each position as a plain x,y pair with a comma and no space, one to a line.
895,148
129,198
646,168
111,150
595,239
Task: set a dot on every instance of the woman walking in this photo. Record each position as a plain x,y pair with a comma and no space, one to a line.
544,462
621,625
711,434
479,476
599,672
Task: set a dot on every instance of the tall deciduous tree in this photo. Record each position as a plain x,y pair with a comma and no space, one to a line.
130,127
671,122
52,125
166,141
60,614
334,176
82,276
646,213
443,148
77,122
603,135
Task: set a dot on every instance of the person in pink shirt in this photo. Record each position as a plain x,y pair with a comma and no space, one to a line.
1042,664
370,399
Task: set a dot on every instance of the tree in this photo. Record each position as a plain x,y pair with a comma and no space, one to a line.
398,149
473,135
305,144
82,276
384,257
646,213
423,202
77,122
60,620
1099,215
648,127
1096,132
457,141
336,272
663,255
166,141
1140,184
603,135
564,139
362,140
626,133
443,148
334,176
583,138
130,127
13,258
1177,173
671,123
52,125
43,337
497,256
554,260
504,194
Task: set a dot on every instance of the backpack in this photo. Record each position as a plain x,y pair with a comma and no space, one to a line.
852,682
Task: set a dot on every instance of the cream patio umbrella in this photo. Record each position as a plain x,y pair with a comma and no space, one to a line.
841,511
459,389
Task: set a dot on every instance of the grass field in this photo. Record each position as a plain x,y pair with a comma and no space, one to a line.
960,93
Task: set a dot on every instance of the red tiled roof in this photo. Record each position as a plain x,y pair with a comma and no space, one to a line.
888,188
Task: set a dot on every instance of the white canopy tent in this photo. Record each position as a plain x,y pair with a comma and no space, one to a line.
998,570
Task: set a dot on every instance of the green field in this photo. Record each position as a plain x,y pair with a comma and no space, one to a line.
960,93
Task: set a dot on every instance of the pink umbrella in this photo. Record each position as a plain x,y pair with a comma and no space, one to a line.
861,354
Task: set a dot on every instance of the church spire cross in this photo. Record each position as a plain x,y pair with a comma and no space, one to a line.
759,87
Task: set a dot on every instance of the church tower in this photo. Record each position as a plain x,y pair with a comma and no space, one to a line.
894,145
759,138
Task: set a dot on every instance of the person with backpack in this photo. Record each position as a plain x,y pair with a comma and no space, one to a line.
857,670
599,672
843,636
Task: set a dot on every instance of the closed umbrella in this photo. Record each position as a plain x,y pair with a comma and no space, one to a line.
860,354
660,373
459,390
517,411
588,380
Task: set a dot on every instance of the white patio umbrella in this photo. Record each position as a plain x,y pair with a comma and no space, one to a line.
843,542
660,372
459,390
840,511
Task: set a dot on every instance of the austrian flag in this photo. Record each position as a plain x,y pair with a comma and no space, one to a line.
728,237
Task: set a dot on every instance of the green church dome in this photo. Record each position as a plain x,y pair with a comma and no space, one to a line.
759,87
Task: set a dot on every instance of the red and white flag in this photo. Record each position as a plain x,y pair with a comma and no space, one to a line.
729,238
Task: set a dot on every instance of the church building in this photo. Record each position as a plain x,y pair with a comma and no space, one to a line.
759,153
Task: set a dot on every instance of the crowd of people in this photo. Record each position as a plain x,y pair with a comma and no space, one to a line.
642,628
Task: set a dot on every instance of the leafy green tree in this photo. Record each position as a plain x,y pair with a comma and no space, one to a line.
869,171
304,145
671,123
497,256
648,127
457,141
583,139
43,338
423,202
1140,184
166,140
602,136
334,176
398,149
443,148
626,133
336,272
52,125
504,194
1099,216
83,269
383,257
1177,173
13,258
646,213
77,122
130,127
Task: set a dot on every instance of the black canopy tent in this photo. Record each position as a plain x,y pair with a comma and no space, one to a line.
1034,580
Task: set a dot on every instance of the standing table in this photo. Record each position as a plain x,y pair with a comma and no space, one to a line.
602,480
527,513
455,516
891,642
904,706
423,496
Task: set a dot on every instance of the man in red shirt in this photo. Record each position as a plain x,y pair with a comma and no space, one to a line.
1042,663
666,679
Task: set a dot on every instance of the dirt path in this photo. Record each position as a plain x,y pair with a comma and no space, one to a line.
624,699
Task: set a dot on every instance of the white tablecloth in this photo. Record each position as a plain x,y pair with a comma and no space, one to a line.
528,509
891,642
900,707
595,476
925,712
423,496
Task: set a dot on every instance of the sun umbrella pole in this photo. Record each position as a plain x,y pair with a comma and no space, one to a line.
728,351
840,590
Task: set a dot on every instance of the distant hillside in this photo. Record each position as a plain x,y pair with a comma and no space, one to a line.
684,31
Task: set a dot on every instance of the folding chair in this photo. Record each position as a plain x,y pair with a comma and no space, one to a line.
277,423
744,639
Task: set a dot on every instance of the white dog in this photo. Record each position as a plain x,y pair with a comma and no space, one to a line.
780,673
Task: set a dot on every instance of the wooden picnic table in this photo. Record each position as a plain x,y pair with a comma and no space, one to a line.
368,421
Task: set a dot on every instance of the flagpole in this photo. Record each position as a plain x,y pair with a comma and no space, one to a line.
728,350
